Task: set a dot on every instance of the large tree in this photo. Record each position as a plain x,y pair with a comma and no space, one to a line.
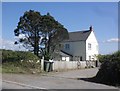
40,33
54,32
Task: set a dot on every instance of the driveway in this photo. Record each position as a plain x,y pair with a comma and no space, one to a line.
54,80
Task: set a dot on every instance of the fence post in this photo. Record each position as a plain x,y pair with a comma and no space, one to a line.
42,63
53,66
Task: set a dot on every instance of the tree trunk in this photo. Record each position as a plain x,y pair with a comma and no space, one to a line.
36,50
48,46
36,44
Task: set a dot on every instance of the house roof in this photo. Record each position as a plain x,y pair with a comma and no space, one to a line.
79,35
63,53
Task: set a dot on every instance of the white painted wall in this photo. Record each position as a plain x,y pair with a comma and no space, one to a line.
94,46
64,65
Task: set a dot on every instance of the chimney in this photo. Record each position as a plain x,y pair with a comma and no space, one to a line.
91,28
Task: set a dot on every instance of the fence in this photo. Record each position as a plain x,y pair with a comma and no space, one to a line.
64,65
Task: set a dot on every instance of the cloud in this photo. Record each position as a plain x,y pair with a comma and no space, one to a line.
9,45
112,40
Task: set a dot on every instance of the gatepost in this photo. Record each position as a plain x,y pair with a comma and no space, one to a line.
42,63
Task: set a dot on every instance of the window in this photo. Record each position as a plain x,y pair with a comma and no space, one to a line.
67,46
89,46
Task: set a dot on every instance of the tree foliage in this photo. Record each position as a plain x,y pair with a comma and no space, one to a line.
40,33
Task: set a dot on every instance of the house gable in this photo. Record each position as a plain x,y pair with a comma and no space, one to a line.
78,44
91,47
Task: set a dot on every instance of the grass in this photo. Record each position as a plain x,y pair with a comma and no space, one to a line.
13,67
19,62
0,68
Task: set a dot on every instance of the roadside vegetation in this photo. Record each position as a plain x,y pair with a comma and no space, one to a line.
20,62
109,71
41,35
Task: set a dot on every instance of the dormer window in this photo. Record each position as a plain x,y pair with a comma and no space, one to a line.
89,46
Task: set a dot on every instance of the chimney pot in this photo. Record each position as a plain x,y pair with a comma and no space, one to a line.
91,28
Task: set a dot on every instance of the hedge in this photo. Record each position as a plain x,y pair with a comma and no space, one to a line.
13,61
10,56
109,72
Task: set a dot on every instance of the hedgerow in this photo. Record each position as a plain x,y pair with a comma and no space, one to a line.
20,61
109,72
10,56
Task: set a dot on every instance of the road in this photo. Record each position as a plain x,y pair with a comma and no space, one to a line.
13,85
54,80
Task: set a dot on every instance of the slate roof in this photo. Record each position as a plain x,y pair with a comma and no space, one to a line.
79,35
63,53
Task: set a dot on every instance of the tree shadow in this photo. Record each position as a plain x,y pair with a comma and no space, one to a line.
92,79
98,80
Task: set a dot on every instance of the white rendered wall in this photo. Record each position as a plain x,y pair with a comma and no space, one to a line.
94,46
64,65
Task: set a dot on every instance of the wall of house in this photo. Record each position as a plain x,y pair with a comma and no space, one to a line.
90,53
77,49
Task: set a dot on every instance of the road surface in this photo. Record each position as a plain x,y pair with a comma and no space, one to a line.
54,80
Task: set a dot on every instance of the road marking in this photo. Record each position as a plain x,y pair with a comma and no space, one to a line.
22,84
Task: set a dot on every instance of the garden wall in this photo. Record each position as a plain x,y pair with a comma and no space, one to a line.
64,65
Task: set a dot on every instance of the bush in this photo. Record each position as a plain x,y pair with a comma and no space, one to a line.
11,56
109,72
103,58
19,61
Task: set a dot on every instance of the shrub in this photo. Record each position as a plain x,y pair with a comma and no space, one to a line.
103,58
19,61
109,72
10,56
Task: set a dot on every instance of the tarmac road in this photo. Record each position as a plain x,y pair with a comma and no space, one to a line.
59,80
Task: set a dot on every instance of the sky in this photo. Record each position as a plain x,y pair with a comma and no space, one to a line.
75,16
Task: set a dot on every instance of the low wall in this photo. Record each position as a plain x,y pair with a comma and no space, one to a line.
65,65
62,65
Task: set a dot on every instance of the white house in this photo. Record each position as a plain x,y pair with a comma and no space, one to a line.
81,45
